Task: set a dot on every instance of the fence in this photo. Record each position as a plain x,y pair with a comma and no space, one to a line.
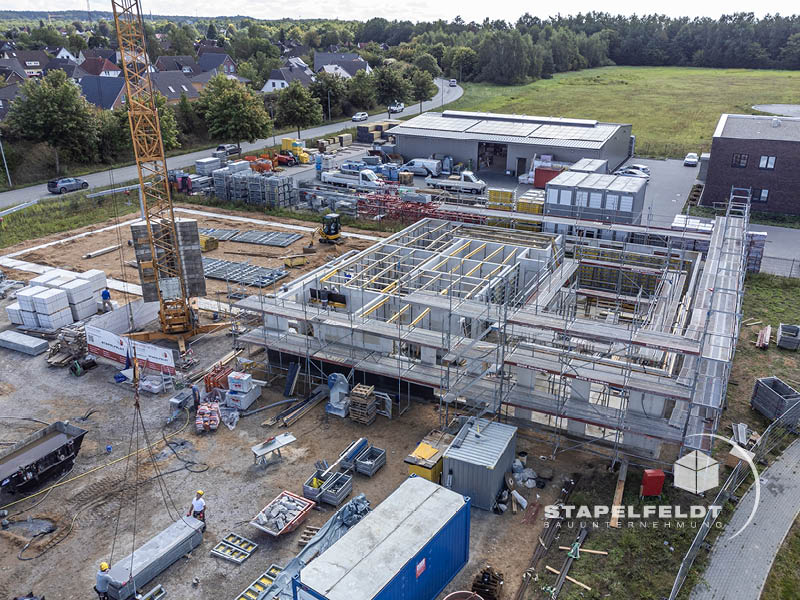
785,267
773,436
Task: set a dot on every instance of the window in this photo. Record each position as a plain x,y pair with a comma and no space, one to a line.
565,197
552,196
759,195
596,200
273,85
739,161
171,89
767,162
581,198
183,87
612,201
626,203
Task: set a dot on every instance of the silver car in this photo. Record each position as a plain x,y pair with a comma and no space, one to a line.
66,184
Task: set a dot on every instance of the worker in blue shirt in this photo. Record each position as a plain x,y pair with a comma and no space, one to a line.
104,579
106,296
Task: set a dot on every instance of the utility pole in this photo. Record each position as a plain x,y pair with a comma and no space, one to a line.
329,105
5,164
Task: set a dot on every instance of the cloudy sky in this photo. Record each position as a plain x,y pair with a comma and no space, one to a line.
420,10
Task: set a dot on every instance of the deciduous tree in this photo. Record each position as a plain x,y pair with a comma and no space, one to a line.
233,112
297,107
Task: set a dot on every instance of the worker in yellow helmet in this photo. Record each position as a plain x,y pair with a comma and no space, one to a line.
198,509
104,579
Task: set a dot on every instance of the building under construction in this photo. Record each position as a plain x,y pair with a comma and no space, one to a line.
619,347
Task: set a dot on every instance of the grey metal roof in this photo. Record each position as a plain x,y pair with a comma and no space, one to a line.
483,444
502,139
758,127
598,181
590,165
628,185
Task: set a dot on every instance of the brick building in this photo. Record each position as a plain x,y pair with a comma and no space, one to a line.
761,153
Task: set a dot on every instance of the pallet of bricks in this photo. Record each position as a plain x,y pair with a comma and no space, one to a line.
363,405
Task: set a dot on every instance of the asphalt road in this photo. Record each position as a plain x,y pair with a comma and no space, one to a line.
121,175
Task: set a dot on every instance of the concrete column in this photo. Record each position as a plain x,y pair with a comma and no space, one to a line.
578,394
651,406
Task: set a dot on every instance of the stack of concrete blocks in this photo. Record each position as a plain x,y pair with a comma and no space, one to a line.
13,340
82,300
83,289
14,313
206,166
52,308
98,281
27,311
190,255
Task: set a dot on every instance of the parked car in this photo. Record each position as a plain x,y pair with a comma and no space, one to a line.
426,167
397,107
628,172
691,160
66,184
228,149
453,83
360,116
638,167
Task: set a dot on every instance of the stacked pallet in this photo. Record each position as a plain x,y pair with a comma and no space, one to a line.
488,584
363,405
756,240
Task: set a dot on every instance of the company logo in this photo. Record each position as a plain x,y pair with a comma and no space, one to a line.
696,472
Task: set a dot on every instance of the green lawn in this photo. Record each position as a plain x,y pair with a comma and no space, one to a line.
783,582
673,110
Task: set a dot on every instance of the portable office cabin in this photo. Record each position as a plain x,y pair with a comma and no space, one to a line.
610,198
590,165
409,548
478,458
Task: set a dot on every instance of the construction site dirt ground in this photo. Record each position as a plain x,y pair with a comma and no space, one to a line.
118,264
95,506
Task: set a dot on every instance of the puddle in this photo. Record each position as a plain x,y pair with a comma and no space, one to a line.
32,527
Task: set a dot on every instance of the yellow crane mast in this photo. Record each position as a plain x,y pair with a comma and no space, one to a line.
165,269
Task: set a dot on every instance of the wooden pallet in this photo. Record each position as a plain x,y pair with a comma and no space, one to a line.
308,533
488,584
362,391
363,405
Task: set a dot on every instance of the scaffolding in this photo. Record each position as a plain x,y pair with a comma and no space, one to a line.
622,346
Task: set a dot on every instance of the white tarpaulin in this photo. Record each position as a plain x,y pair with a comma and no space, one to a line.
119,349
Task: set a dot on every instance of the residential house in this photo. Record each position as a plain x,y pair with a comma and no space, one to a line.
32,61
150,68
7,95
349,62
104,92
281,78
100,66
335,70
109,54
293,48
172,85
73,70
203,49
221,62
186,64
6,46
758,155
201,80
11,71
61,52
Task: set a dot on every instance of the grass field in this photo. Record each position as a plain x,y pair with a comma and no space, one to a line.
673,110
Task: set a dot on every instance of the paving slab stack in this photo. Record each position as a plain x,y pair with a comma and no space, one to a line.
191,259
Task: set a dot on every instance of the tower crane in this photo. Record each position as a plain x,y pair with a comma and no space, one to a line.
164,268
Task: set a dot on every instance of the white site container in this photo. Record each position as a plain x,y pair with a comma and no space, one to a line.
50,302
25,297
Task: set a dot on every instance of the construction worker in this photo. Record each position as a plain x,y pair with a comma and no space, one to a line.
105,295
198,510
104,580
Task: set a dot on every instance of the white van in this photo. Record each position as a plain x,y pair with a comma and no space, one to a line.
426,167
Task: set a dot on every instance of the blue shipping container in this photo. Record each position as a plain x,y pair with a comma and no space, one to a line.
409,548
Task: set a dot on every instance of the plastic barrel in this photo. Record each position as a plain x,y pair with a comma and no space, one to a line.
465,595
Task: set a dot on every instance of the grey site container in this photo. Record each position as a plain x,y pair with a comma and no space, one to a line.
609,198
772,397
370,460
336,489
477,459
150,559
311,492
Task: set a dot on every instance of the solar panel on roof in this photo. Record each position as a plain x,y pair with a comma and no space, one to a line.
504,128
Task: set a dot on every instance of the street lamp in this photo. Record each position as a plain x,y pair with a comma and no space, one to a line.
329,106
5,164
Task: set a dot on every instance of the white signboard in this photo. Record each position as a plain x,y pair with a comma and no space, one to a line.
119,349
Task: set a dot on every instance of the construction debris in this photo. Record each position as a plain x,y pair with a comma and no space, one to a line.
283,514
70,346
764,336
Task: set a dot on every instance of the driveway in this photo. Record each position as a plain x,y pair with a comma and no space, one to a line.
122,175
669,186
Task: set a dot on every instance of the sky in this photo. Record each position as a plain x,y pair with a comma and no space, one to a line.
421,10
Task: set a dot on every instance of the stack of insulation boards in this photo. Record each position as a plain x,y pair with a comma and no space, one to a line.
410,546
